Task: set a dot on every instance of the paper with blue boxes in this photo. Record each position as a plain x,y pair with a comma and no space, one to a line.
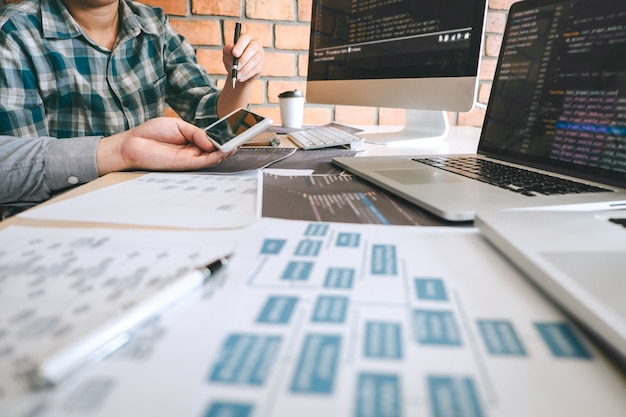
367,321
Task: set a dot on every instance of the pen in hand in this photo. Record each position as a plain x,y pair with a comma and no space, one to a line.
235,67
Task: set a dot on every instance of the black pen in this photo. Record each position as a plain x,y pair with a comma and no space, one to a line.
107,338
235,68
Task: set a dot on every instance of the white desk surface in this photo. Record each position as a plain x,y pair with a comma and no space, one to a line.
460,139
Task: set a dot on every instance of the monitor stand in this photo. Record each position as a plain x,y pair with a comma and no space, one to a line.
420,124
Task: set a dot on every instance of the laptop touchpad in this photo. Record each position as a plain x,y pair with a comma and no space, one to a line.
416,176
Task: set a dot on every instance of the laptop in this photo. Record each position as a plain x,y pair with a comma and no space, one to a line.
557,110
577,257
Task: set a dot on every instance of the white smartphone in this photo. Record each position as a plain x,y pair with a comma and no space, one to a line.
236,128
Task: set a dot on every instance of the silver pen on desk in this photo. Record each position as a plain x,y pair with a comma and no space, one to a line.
235,67
113,334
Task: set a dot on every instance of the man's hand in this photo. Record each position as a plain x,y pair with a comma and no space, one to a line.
165,143
251,58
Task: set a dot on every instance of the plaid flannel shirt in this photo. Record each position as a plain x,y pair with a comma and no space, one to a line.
55,81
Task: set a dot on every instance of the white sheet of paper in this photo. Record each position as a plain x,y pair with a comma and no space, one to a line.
58,284
358,320
198,201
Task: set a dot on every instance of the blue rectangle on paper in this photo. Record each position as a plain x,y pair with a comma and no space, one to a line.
272,246
228,409
500,338
430,289
246,359
277,310
378,396
384,260
436,328
383,340
316,229
339,278
308,248
348,240
317,365
453,397
297,271
330,309
562,340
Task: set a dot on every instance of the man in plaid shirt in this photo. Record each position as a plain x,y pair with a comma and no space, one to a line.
76,68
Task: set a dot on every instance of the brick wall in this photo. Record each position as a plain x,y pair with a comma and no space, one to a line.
283,28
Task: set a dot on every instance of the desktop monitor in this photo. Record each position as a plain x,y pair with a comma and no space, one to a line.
418,55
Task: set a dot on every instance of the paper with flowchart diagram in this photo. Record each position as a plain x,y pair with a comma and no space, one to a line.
362,320
59,286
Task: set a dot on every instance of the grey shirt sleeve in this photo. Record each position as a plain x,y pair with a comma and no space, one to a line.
33,169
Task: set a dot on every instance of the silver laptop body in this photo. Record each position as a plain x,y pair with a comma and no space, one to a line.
557,106
577,257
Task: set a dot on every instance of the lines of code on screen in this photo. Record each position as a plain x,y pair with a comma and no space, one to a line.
562,79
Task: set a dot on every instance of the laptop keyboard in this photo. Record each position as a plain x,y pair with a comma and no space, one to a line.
522,181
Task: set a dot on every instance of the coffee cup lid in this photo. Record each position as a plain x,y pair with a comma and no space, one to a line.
294,93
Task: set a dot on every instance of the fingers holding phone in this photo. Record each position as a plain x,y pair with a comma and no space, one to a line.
234,129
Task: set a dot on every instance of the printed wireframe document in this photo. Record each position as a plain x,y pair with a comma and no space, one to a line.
354,320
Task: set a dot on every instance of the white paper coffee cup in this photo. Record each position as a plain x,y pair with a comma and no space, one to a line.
291,108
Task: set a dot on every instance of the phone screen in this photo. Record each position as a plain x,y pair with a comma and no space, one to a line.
234,125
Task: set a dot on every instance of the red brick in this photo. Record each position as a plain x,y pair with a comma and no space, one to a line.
211,60
501,4
487,68
257,96
217,7
492,45
292,37
199,32
260,31
354,115
495,22
484,90
304,10
303,65
317,115
175,7
269,9
273,112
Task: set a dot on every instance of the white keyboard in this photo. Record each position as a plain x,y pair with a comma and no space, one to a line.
322,137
